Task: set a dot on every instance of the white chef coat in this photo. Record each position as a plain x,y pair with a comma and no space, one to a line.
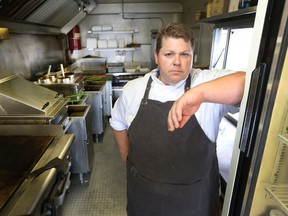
208,115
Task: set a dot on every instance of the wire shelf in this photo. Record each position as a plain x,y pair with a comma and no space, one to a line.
283,138
279,192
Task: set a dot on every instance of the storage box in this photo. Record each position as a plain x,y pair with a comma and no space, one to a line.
112,43
233,5
102,43
209,9
96,28
219,7
115,67
132,67
91,43
107,28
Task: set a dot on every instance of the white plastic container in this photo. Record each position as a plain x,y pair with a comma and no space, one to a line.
102,43
121,42
96,28
107,28
112,43
91,43
115,67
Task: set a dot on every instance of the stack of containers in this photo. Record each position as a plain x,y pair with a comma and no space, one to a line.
102,43
112,43
91,43
106,28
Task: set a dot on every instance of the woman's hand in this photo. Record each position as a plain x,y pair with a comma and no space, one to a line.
225,90
184,108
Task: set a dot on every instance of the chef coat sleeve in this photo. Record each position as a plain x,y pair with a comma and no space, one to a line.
118,113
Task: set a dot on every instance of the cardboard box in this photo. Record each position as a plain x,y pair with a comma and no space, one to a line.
209,9
219,7
233,5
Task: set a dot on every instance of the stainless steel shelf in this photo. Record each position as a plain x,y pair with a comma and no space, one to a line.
128,74
115,49
114,32
279,192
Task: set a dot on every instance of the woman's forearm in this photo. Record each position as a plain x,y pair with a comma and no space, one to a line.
122,141
225,90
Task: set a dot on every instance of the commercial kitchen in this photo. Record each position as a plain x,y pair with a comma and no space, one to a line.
64,64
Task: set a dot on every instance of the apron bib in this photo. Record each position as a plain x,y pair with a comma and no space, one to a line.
169,173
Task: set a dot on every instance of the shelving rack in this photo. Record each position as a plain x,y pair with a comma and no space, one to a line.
115,32
279,191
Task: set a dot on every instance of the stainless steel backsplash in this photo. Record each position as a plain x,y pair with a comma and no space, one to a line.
29,54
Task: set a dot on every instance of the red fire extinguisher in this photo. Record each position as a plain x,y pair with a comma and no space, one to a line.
74,38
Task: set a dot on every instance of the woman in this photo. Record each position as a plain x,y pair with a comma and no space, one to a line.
174,172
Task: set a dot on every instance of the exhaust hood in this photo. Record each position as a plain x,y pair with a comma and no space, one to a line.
62,14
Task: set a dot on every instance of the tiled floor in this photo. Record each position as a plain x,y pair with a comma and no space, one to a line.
105,192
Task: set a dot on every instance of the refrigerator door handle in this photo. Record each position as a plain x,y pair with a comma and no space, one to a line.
252,112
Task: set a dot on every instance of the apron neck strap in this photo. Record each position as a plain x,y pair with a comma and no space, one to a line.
148,87
147,90
188,83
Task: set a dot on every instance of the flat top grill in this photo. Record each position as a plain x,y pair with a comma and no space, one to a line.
18,154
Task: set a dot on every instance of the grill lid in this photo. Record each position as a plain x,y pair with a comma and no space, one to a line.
20,97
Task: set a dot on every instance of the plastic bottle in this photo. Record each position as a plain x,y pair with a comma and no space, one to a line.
209,8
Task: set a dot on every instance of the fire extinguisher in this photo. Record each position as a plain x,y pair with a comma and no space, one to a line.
74,38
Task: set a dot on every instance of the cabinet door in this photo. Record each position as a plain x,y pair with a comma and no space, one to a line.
96,102
79,147
108,98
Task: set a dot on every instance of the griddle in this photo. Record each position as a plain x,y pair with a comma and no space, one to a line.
18,156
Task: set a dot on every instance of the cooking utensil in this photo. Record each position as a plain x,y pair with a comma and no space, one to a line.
54,163
49,70
63,79
62,70
70,75
44,80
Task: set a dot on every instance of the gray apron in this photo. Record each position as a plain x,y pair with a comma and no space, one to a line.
170,173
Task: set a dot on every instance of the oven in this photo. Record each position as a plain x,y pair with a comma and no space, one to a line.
119,80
